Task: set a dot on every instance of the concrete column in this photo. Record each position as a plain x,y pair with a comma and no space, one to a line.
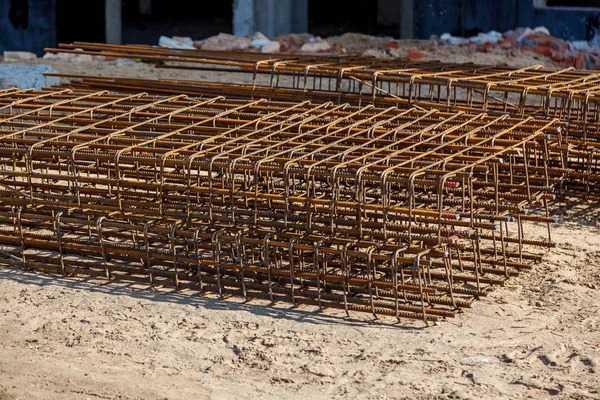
243,17
271,17
407,19
265,17
300,16
112,21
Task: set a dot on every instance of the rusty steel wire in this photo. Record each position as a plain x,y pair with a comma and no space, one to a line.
581,156
391,211
568,94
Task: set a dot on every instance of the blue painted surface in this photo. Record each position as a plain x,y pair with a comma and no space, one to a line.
26,76
467,17
563,23
39,33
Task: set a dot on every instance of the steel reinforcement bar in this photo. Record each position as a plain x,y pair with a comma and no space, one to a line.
442,189
580,156
568,94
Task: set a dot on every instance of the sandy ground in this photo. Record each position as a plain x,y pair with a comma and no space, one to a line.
538,337
535,338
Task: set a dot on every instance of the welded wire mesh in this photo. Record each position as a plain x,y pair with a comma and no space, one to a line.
391,211
567,93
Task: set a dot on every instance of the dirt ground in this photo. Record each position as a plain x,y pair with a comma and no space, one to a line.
537,337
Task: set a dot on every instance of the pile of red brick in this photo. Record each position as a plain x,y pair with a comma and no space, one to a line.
539,41
510,44
549,46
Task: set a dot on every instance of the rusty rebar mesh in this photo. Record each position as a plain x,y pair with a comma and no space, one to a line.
581,156
568,94
390,211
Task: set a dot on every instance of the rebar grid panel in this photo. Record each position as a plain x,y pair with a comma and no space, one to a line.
443,187
383,279
402,280
568,94
580,156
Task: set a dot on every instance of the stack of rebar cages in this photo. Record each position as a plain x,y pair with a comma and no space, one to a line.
392,211
392,188
566,94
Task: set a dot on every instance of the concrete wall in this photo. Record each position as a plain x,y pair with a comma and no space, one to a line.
465,17
566,23
40,30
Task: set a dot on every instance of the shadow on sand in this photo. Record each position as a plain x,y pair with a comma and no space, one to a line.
301,314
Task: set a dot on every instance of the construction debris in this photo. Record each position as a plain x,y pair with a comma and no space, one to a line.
224,41
18,56
510,44
26,76
182,43
270,47
315,46
538,40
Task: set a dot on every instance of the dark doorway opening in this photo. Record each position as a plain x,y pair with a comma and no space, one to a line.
81,21
334,17
18,13
145,21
